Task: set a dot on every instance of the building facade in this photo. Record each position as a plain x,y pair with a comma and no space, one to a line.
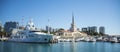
92,29
84,29
73,32
8,26
102,30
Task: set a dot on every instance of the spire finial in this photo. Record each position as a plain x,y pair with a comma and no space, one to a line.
72,18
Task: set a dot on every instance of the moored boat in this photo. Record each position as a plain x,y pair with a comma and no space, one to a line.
30,35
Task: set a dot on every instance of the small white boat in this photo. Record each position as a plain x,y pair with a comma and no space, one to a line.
114,40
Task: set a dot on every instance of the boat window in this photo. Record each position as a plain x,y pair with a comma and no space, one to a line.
16,36
28,25
45,39
22,33
33,31
31,36
33,26
26,36
21,36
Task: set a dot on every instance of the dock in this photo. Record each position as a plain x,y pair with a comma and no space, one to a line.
4,39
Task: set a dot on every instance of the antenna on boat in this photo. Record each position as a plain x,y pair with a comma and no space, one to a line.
17,25
22,21
31,20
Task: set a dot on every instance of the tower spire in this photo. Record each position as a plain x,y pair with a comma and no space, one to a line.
73,28
72,18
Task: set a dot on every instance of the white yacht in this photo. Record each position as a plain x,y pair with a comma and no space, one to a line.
30,35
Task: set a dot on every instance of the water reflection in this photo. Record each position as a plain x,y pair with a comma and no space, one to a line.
73,47
24,47
60,47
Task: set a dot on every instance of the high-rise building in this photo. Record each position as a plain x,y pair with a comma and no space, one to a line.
92,29
50,29
102,30
8,26
84,29
47,28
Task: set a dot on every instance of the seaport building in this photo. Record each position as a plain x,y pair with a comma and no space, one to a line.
72,32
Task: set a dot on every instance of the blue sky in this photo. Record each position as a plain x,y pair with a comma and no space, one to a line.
59,12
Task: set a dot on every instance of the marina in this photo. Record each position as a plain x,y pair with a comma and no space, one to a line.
59,26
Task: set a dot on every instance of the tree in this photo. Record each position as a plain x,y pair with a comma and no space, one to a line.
0,28
101,34
60,29
3,33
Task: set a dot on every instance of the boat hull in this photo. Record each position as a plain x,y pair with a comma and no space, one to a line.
34,39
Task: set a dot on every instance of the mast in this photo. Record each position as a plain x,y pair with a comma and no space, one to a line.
22,21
